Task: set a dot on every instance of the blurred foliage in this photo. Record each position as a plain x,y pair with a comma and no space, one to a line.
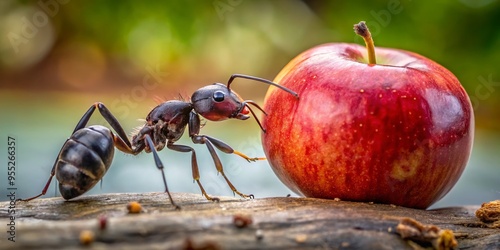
94,45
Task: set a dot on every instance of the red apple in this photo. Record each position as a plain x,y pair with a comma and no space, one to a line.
398,131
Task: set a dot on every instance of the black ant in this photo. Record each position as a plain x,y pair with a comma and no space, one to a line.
87,154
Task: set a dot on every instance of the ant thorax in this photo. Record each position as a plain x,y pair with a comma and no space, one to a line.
165,124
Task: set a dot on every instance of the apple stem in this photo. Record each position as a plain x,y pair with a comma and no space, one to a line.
362,30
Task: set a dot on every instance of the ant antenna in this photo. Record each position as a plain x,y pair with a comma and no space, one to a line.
234,76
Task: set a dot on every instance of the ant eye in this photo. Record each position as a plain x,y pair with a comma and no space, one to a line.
218,96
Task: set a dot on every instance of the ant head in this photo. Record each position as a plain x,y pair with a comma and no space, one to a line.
217,102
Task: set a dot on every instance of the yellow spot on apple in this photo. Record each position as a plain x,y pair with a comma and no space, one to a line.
362,90
407,164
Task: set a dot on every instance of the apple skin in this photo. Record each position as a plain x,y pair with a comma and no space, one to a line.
399,134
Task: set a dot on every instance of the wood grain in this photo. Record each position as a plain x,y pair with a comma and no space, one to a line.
274,223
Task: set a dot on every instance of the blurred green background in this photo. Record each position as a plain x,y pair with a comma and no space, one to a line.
57,57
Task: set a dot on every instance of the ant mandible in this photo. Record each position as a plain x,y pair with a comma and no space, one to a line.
87,154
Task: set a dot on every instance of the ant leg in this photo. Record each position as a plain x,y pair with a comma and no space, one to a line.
203,139
194,165
159,165
194,130
123,143
111,119
222,146
85,119
44,190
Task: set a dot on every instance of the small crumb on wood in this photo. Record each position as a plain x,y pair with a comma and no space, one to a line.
345,244
490,213
337,199
103,222
242,220
300,238
134,207
207,245
259,235
86,237
426,235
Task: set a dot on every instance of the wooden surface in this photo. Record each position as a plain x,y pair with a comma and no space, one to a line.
276,223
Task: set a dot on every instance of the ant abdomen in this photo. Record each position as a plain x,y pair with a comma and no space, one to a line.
83,160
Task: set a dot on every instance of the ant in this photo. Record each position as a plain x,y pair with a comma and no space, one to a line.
87,154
